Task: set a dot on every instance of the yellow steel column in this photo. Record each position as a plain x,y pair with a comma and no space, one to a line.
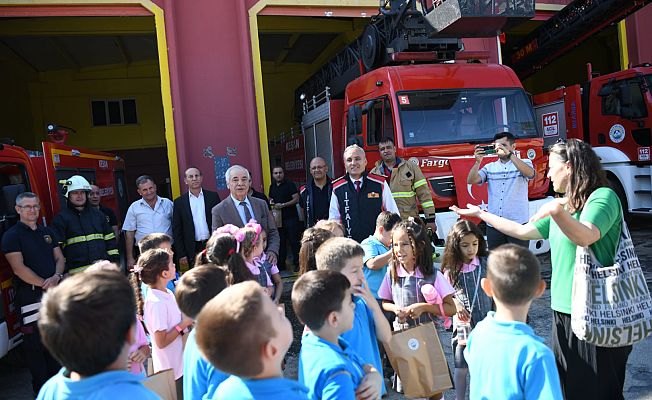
622,45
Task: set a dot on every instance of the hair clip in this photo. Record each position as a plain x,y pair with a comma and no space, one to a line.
231,252
137,269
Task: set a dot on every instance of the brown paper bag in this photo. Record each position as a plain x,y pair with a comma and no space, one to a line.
418,359
162,383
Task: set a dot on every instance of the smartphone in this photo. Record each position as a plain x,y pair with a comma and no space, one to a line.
489,149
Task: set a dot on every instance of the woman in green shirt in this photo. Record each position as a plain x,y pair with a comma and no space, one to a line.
589,214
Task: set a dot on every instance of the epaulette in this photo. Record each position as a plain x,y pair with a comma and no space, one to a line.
339,181
376,178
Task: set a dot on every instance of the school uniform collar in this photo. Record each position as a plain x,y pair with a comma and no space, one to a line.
402,273
92,383
310,337
471,266
511,327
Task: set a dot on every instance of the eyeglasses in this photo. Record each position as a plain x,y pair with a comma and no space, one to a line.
561,141
31,208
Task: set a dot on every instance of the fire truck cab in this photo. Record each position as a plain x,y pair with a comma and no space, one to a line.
40,172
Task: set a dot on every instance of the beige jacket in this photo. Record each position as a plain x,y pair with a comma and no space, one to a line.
407,183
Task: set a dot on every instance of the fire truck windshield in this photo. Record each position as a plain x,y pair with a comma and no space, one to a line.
464,116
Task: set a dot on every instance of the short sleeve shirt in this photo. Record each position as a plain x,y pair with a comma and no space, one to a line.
603,210
282,194
373,248
161,313
507,190
36,247
145,220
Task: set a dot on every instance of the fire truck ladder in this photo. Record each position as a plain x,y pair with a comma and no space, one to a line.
567,29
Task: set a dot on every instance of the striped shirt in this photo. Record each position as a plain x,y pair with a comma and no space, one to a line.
507,190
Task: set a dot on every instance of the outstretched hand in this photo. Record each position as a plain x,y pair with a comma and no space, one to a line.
470,210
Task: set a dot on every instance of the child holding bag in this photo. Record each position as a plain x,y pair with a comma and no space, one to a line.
410,269
465,264
162,316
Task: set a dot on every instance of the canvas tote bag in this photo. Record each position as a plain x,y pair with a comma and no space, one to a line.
162,383
611,305
418,358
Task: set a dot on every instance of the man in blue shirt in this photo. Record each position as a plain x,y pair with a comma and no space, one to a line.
328,366
506,359
93,360
369,325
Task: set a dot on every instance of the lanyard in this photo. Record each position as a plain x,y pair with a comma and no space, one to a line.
477,286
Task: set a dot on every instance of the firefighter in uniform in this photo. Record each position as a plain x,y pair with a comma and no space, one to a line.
82,230
406,182
358,197
38,264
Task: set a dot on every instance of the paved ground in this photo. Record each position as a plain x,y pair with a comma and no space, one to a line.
15,384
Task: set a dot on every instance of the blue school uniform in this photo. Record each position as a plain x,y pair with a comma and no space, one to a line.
329,371
373,248
110,385
200,378
508,361
236,388
362,337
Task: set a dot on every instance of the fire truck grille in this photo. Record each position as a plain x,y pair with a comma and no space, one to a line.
443,186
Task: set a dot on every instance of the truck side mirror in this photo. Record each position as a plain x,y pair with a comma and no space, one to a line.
353,121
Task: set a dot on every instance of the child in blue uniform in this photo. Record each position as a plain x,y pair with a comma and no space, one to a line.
94,361
242,332
328,366
196,287
369,324
506,359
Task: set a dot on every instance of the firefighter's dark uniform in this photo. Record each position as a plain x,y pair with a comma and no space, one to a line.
37,248
85,237
359,210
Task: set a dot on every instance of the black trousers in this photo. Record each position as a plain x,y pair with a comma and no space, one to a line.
290,234
40,362
496,238
587,371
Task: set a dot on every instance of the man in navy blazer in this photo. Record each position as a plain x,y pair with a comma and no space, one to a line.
191,218
239,208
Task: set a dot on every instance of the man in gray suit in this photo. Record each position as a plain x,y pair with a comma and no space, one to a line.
238,209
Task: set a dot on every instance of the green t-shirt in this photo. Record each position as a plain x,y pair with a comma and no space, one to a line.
603,210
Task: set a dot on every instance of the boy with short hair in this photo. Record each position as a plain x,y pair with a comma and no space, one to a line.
244,333
378,252
196,287
88,323
328,366
506,359
370,324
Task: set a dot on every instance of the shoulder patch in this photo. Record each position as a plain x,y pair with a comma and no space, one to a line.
376,178
302,188
339,182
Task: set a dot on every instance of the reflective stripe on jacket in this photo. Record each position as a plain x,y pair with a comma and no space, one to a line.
407,183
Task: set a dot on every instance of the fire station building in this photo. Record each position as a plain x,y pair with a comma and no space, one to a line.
168,84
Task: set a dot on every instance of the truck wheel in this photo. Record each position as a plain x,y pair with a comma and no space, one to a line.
620,192
369,47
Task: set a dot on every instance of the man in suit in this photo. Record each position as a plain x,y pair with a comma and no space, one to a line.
191,218
239,208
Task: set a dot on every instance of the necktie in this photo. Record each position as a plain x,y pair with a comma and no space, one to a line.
357,186
246,211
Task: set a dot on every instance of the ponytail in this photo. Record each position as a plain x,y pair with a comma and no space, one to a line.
138,294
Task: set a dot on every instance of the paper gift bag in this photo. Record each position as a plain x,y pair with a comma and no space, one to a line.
162,383
278,217
418,359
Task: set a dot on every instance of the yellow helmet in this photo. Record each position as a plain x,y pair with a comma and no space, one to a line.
75,182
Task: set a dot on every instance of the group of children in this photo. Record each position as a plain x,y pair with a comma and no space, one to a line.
236,334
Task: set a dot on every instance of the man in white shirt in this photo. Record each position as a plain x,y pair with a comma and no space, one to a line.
358,197
191,218
150,214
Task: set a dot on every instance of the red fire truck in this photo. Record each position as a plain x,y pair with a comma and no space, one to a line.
40,172
409,78
611,112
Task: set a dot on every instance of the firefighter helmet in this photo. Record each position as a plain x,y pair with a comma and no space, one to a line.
76,182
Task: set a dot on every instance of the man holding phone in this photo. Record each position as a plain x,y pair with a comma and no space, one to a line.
507,179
